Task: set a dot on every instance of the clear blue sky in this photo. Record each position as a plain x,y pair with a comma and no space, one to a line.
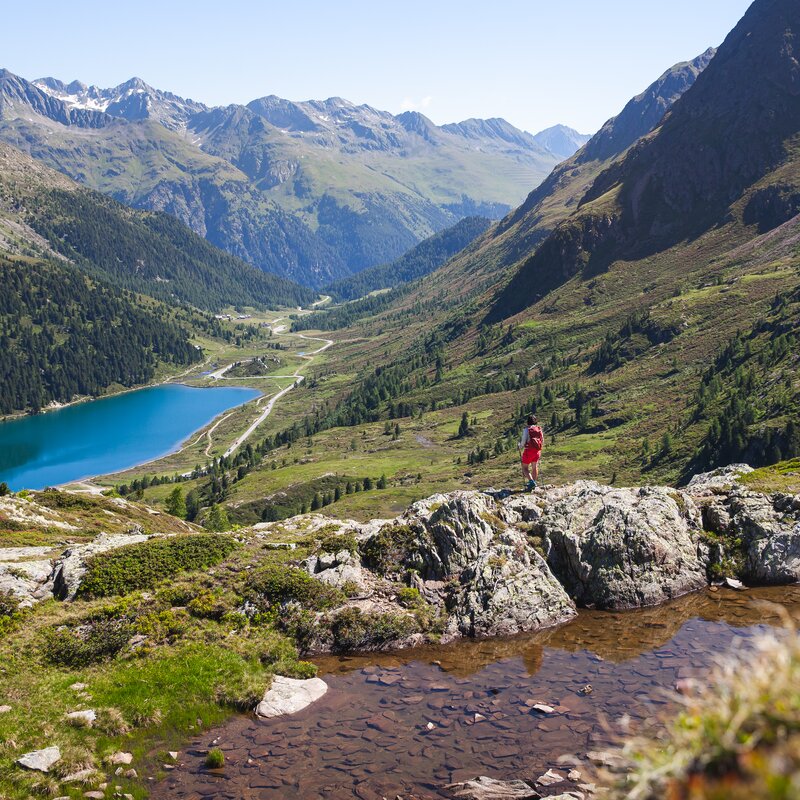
534,63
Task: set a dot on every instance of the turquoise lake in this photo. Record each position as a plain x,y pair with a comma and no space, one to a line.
108,435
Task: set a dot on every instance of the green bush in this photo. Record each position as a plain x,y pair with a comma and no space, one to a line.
215,759
354,630
300,624
142,565
388,549
53,498
409,597
277,584
162,626
84,645
209,605
10,614
335,543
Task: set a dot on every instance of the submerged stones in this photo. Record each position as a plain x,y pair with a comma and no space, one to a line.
290,695
484,788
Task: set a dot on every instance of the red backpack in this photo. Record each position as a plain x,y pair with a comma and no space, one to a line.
535,438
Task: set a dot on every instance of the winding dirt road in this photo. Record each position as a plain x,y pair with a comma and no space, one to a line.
298,379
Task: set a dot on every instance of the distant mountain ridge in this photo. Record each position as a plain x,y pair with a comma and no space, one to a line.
314,191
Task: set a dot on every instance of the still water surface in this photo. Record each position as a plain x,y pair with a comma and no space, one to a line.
107,435
369,737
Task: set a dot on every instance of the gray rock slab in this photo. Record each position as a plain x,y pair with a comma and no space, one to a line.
290,695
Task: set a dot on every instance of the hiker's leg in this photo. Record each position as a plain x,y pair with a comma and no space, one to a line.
535,466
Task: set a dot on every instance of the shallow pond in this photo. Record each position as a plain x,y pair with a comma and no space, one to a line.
109,434
404,724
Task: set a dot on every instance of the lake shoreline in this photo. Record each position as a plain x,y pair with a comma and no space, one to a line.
37,446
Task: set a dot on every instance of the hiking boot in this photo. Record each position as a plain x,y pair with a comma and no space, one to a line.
531,485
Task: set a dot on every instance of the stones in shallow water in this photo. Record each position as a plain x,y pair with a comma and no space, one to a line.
40,760
290,695
484,788
550,778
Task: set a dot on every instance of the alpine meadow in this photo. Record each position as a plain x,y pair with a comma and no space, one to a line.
452,460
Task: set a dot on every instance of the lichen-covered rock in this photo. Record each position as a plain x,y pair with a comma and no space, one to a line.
770,531
720,478
623,548
26,580
507,589
453,530
758,535
496,582
335,569
40,760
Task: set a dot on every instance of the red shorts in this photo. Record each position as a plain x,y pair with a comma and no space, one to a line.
530,456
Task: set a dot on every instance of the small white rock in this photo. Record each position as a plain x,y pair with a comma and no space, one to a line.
543,709
40,760
88,716
120,758
289,695
549,778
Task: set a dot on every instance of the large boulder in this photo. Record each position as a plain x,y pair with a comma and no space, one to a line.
623,548
453,531
758,533
508,588
496,583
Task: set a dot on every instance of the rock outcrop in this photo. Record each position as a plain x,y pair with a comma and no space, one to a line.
757,534
473,563
623,548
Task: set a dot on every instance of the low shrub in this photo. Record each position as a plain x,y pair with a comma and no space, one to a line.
210,605
388,550
352,629
142,565
10,613
55,499
162,626
300,624
409,597
335,543
86,644
215,759
278,583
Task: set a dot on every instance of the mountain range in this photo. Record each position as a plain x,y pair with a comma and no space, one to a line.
648,288
314,191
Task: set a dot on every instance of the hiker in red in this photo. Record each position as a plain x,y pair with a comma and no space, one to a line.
530,445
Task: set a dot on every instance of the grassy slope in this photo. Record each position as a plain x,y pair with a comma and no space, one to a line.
192,671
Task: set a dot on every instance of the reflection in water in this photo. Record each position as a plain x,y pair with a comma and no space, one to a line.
409,723
615,636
